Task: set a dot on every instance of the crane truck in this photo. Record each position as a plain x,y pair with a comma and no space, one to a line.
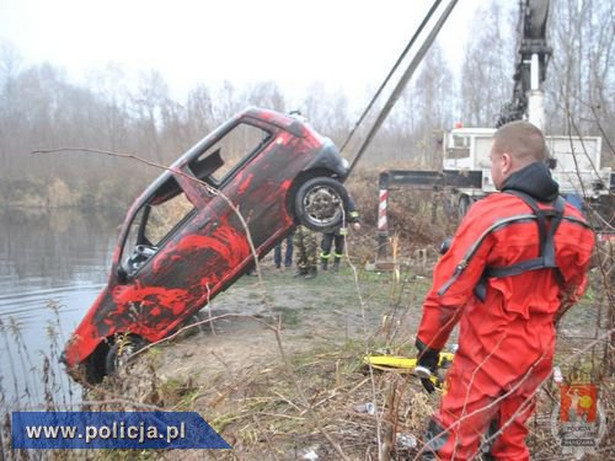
465,175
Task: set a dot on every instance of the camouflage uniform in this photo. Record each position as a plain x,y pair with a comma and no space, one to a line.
306,248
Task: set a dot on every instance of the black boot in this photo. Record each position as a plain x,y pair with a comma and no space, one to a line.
300,272
311,273
323,264
336,265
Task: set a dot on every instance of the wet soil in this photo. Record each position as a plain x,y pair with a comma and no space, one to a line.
330,310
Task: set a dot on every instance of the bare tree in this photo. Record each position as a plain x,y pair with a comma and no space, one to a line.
327,111
433,97
40,108
148,103
199,112
266,95
10,63
109,87
228,102
486,75
582,83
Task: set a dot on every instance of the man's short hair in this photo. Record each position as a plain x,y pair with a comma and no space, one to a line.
522,140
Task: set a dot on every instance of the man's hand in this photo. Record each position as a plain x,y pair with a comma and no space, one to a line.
356,226
427,364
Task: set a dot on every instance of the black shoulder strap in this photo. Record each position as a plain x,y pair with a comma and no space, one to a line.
546,248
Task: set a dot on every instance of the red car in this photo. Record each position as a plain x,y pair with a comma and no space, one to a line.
184,240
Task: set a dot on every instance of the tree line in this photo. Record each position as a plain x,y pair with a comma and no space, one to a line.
40,108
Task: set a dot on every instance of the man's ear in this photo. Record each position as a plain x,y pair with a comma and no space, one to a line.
506,163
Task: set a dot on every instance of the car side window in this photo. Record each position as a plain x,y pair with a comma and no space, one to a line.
132,239
154,223
220,161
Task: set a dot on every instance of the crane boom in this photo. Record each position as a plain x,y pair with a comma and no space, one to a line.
533,55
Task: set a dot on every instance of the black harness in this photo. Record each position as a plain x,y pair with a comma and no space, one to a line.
546,254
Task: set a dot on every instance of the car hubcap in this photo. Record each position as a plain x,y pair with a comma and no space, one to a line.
322,204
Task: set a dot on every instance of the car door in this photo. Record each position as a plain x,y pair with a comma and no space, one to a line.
186,242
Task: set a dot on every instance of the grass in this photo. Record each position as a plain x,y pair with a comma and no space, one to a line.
270,405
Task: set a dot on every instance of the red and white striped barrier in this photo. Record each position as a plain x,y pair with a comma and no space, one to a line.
383,225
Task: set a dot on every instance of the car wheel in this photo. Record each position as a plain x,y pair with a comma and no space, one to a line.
120,351
320,202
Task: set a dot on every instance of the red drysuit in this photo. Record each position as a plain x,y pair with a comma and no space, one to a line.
507,341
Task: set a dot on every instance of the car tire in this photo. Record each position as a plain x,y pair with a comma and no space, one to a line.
119,352
320,202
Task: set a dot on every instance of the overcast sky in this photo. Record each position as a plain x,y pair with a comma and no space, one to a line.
343,43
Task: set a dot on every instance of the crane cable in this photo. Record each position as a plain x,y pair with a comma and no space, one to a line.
430,13
405,77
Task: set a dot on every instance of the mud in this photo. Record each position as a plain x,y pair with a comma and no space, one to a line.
326,311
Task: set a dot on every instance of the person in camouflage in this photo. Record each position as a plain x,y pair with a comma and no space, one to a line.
307,252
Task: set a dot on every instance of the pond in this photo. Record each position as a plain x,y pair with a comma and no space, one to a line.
53,264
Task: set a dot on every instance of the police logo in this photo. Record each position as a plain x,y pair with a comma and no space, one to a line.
578,421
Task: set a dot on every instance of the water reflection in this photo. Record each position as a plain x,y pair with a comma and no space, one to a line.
51,249
52,267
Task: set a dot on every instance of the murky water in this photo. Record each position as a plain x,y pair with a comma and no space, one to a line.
52,267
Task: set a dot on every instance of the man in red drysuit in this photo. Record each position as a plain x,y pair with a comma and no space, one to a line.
517,262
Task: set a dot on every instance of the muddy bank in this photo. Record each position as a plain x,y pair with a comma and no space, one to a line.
331,310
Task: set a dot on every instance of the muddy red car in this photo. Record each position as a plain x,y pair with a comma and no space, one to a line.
185,239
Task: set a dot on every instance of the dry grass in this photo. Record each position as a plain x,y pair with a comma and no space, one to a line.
312,399
261,413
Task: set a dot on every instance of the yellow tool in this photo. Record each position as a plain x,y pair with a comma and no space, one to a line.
405,365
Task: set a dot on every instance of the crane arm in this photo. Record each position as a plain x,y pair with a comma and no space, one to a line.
533,55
